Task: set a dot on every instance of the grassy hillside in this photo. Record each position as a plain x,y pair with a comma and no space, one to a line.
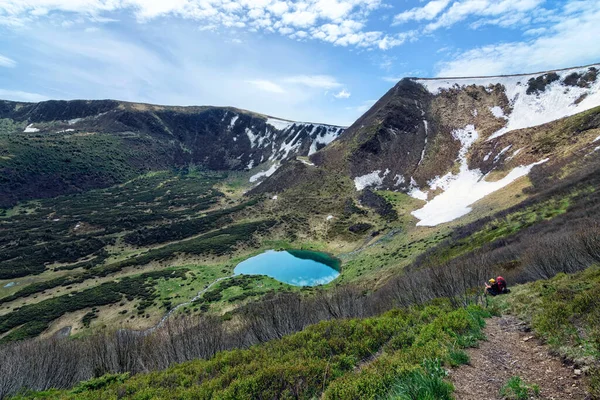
401,354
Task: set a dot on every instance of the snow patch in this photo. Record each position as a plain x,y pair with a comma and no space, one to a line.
264,174
275,197
233,121
513,155
306,162
597,139
399,180
291,146
30,129
555,102
372,179
250,164
467,136
252,137
329,217
415,192
329,135
279,124
462,191
426,124
74,121
498,112
504,150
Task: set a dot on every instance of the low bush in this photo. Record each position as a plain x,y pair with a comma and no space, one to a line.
342,359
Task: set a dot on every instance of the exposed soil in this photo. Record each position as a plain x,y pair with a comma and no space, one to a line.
512,351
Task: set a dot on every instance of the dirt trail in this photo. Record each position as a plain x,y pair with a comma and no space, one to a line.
511,351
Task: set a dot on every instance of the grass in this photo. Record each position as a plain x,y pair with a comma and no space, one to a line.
426,383
517,389
397,354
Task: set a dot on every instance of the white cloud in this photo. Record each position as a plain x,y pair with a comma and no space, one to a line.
180,67
17,95
342,94
428,12
461,10
314,81
340,22
7,62
266,86
535,31
571,41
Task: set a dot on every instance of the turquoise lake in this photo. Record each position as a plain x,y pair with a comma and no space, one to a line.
294,267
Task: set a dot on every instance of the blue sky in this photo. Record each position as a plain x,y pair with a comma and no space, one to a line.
307,60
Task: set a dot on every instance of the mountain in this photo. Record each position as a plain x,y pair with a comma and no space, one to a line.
58,147
453,141
441,185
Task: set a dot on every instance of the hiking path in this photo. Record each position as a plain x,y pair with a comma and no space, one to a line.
510,350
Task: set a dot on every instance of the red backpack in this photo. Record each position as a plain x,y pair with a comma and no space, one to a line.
501,284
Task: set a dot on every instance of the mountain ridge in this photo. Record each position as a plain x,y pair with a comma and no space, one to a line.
430,137
504,75
141,138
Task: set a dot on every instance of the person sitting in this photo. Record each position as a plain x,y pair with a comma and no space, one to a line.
502,285
492,288
496,286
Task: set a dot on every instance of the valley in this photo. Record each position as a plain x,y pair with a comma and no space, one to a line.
115,215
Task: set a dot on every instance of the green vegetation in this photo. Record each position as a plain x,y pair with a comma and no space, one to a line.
48,164
516,389
218,242
31,320
181,230
397,355
425,383
71,229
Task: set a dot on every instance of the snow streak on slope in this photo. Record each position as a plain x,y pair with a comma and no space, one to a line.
279,124
30,129
465,188
556,100
264,174
328,134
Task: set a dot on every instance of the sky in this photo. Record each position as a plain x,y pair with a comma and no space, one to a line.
322,61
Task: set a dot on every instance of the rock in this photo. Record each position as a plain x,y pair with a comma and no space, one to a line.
528,338
585,370
577,372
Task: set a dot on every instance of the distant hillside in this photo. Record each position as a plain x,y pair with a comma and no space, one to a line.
58,147
451,142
